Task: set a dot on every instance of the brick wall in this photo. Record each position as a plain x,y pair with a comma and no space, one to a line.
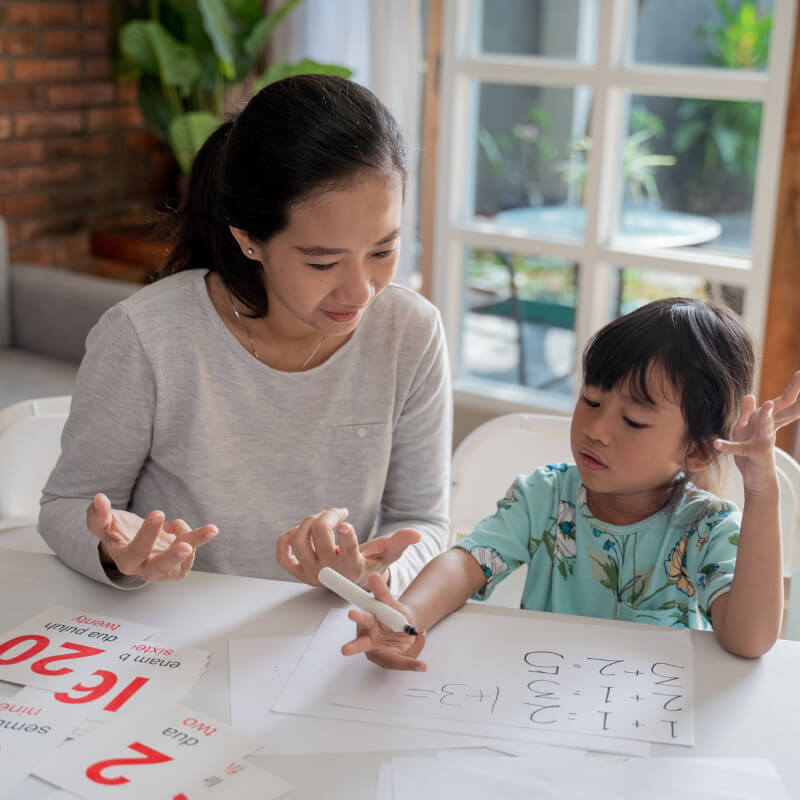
72,142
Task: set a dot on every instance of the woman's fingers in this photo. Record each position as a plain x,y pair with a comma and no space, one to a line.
322,533
131,558
100,519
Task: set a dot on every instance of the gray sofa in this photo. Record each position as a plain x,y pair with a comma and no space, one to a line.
45,314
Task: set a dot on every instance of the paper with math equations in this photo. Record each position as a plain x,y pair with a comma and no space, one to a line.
537,673
157,753
32,723
53,648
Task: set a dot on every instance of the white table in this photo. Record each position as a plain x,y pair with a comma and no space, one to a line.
743,708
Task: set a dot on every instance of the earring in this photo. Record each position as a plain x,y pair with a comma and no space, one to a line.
250,251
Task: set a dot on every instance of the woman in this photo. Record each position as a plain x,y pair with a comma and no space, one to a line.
275,374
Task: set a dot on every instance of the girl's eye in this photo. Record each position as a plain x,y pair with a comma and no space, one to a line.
634,424
323,266
590,403
384,253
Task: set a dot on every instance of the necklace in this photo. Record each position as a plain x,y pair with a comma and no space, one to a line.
252,343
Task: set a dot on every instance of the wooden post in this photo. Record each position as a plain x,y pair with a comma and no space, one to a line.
781,355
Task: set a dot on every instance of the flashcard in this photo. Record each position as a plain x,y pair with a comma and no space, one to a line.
144,674
58,645
239,781
32,723
155,753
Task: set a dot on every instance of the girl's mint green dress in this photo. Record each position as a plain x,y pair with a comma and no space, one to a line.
666,569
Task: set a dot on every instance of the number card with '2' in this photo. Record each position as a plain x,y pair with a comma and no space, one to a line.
50,650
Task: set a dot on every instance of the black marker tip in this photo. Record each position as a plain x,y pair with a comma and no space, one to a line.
411,630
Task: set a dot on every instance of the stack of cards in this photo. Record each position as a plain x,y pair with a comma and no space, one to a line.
103,684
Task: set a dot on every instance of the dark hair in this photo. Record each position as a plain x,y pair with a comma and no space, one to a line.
704,349
294,137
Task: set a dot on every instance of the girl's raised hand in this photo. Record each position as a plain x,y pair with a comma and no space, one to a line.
151,549
379,644
753,436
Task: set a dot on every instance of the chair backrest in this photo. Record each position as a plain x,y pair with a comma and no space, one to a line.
30,444
489,457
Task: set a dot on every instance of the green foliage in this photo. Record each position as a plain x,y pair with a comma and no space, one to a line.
721,136
188,55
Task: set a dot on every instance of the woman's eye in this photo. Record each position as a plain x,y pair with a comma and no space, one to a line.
323,266
634,424
590,403
384,253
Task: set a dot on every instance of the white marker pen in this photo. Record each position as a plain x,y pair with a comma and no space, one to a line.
348,590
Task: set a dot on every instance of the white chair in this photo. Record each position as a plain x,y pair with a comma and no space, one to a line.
30,444
486,461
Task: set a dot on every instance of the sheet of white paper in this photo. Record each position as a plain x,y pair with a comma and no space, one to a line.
144,674
32,723
571,776
383,789
259,669
154,753
537,673
239,781
55,648
323,671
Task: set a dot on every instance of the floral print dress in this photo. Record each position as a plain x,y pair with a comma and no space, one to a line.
666,569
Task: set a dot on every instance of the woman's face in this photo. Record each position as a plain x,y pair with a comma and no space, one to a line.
338,251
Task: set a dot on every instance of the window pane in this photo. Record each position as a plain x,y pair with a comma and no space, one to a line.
689,170
727,34
519,320
550,28
531,155
635,287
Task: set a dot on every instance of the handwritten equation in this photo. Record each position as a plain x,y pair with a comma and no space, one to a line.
586,679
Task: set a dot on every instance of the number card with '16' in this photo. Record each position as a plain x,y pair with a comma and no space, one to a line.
55,647
152,754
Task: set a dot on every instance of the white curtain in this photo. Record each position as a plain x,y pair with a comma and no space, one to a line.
382,42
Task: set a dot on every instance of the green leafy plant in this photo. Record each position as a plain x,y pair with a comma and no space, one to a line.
638,161
515,156
720,137
193,58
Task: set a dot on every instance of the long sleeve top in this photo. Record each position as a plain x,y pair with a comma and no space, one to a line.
170,412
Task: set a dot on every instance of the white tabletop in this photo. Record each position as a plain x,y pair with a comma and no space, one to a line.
743,708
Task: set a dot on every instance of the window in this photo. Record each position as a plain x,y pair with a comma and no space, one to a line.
595,155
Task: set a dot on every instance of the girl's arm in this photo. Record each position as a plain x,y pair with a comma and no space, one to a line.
747,619
443,586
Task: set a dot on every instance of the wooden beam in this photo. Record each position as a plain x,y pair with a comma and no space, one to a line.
430,142
781,355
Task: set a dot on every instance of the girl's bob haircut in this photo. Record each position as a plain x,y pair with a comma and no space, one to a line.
703,350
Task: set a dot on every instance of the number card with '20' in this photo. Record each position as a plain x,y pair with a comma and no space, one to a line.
51,649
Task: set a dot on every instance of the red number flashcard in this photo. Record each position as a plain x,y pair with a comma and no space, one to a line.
156,753
238,781
52,649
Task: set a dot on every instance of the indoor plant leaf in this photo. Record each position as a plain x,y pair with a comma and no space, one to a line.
255,42
219,27
276,72
186,135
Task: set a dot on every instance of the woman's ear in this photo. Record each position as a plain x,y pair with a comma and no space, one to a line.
246,244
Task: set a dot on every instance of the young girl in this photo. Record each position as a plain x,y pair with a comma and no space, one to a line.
626,532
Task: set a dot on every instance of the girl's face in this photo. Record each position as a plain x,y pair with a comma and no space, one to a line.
628,453
338,251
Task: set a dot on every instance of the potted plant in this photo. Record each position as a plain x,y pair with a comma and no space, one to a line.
194,60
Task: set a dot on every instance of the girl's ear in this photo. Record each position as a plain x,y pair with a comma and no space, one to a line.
246,244
696,459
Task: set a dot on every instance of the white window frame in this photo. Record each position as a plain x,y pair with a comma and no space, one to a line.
611,78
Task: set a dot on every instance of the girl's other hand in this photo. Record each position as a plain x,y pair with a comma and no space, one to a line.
381,645
151,549
326,540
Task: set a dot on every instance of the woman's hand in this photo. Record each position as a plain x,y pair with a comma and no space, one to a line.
381,645
151,549
753,436
325,540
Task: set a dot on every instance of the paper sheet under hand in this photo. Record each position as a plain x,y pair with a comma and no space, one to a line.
323,672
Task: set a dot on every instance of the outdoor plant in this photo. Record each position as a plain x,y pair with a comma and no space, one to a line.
516,156
720,137
638,161
195,59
